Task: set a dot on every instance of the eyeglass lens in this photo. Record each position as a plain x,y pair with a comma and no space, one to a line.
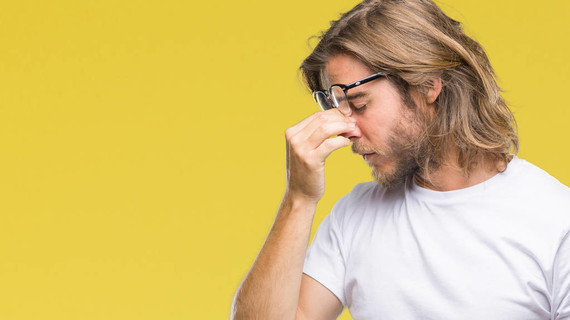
339,99
323,100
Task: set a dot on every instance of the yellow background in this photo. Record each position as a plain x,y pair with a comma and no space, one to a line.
142,149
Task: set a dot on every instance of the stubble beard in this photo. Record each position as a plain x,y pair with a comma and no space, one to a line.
405,148
405,165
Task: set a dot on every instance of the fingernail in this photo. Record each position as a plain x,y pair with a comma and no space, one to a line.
352,119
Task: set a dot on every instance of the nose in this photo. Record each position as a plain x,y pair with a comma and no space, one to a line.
353,134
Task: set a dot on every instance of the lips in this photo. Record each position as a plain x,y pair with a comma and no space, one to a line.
363,151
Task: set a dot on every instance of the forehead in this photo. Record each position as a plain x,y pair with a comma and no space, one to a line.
344,69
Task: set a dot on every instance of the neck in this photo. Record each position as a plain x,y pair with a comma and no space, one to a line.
449,175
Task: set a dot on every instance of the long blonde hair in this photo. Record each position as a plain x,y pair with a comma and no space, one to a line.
413,41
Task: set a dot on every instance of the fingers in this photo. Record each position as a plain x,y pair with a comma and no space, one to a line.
324,125
329,129
310,123
330,145
310,133
308,145
320,119
302,124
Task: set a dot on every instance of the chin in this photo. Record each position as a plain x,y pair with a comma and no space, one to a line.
389,182
384,166
392,174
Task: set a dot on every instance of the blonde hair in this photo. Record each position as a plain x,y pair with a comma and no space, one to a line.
413,41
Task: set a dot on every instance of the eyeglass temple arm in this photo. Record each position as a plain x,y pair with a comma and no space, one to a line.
363,81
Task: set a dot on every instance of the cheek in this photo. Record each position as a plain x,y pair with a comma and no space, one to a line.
378,125
383,116
376,132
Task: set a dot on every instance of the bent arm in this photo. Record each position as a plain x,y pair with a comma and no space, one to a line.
271,289
275,287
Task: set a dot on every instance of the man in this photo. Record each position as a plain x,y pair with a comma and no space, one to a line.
455,224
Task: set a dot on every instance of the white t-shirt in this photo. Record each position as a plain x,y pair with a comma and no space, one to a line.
496,250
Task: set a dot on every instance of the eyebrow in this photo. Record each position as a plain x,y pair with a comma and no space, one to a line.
357,95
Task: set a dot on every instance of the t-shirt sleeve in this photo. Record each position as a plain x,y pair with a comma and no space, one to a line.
324,260
561,281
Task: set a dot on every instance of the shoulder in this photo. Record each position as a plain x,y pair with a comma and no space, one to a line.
366,201
365,190
360,195
543,196
536,181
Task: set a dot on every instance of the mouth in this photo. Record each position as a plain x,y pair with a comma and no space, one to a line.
365,152
367,156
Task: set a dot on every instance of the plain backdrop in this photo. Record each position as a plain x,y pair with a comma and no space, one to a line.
142,142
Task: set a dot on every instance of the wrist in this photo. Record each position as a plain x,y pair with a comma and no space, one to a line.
298,201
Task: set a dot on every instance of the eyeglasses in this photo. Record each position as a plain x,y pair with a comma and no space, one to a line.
335,96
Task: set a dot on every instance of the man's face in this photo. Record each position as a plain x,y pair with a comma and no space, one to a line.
387,133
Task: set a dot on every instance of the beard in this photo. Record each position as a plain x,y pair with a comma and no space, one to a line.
405,148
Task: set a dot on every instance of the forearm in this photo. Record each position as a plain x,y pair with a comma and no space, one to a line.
271,288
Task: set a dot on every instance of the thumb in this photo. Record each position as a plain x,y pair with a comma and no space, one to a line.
332,144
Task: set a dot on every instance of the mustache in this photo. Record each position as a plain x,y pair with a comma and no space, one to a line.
359,149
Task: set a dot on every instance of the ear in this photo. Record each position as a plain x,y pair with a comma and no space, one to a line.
434,90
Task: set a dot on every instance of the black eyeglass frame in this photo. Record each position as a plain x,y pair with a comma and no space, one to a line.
344,87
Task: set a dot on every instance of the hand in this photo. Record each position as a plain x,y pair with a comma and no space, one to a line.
309,143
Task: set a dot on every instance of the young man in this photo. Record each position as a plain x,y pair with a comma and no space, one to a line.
455,225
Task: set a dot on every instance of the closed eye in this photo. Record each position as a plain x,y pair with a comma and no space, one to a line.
358,109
